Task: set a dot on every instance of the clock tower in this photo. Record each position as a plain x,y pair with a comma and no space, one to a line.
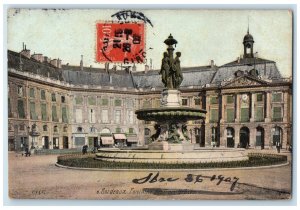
248,45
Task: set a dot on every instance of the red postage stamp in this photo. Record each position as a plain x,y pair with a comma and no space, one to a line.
120,42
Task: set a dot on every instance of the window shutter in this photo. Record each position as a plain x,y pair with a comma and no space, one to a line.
259,114
230,115
64,114
214,115
32,111
44,112
54,114
21,110
244,114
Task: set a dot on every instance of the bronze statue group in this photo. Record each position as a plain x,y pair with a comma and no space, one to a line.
171,71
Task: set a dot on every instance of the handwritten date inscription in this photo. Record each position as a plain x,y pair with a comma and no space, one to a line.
190,178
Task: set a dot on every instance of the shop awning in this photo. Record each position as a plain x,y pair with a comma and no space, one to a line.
132,139
120,136
107,140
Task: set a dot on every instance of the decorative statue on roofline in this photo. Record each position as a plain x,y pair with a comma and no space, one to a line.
170,67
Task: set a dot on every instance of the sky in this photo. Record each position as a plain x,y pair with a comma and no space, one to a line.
202,35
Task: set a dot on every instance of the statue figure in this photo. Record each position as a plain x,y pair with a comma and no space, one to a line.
157,133
178,74
185,132
165,68
173,134
171,71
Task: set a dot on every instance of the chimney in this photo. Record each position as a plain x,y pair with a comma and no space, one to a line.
110,79
54,62
81,63
212,64
106,66
134,67
38,57
58,63
25,52
146,68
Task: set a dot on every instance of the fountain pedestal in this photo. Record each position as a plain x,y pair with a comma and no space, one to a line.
170,98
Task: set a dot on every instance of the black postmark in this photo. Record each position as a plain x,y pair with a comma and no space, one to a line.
123,15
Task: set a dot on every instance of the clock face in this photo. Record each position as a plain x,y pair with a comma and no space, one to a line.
244,97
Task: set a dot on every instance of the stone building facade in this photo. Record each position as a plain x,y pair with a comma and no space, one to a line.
248,103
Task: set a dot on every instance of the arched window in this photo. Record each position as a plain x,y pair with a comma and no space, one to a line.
105,130
45,127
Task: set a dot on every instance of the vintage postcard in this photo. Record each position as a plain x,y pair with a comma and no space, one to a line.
141,104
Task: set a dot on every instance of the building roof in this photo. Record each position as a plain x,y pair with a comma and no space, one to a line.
192,76
33,66
266,69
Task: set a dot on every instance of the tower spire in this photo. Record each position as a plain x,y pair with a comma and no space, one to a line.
248,26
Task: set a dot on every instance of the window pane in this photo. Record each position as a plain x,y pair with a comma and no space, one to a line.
104,102
78,100
53,97
277,115
64,114
92,100
54,114
259,114
277,97
214,100
259,97
197,101
214,115
44,112
31,93
79,115
21,110
118,102
244,114
229,99
230,115
104,116
184,102
32,111
117,116
9,108
43,95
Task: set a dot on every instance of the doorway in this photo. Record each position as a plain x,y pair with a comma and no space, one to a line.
65,142
244,137
260,135
277,135
45,140
230,137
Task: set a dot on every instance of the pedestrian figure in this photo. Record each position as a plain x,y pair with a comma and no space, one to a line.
278,146
27,152
84,149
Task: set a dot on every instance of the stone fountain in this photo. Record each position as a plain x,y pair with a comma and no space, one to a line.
171,142
171,117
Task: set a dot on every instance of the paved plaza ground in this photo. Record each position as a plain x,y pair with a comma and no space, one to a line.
38,177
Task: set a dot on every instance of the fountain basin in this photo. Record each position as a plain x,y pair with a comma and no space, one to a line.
169,156
170,114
